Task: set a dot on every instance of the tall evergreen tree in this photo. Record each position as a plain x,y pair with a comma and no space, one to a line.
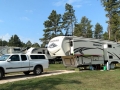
69,19
84,28
105,36
15,41
23,44
78,30
3,42
98,31
28,44
113,13
52,27
35,45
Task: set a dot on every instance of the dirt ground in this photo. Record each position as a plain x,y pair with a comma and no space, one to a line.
18,77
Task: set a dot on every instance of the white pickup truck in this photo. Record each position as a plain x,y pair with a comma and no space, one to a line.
25,63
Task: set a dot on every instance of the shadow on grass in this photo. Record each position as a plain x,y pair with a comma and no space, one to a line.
49,83
20,76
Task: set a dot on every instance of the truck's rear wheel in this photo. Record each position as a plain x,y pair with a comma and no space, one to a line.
37,70
1,74
27,72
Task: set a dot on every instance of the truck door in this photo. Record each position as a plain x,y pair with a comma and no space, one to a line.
25,63
14,64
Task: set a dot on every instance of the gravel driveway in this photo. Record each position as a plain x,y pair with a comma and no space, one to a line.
18,77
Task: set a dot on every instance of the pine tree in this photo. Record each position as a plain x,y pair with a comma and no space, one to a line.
113,13
105,36
98,32
84,28
52,27
15,41
69,19
28,44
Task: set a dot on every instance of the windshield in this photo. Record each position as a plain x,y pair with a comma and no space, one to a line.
4,57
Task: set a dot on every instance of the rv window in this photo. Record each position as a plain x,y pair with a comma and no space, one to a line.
43,51
71,43
110,57
109,46
39,52
48,53
16,49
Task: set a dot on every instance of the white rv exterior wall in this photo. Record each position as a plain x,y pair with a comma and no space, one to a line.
59,46
82,46
112,53
55,46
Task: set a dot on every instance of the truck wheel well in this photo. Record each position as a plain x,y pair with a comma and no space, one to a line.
2,70
39,66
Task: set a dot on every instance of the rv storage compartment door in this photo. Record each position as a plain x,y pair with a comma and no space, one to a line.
69,61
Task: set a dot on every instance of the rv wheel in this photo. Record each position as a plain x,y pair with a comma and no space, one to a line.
112,66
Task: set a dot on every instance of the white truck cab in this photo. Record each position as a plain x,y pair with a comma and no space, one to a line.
25,63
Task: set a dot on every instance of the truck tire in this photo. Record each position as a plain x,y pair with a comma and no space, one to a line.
37,70
27,72
1,74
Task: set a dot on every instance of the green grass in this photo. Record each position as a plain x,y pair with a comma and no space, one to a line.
86,80
56,67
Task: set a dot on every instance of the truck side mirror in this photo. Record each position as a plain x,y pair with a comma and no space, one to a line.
8,60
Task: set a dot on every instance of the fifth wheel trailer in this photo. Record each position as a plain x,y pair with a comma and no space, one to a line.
79,51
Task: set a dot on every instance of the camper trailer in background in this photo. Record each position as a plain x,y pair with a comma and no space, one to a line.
29,50
79,51
52,59
9,50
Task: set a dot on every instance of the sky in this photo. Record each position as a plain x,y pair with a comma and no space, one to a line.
25,18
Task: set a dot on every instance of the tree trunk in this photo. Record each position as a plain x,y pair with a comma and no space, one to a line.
109,31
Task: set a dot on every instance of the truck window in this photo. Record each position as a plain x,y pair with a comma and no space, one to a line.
37,56
23,57
15,58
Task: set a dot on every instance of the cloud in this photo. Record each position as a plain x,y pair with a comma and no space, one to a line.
88,2
26,39
1,21
78,6
74,3
24,18
5,37
29,11
59,3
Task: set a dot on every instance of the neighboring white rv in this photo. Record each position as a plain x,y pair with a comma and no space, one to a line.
79,51
51,59
28,50
9,50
